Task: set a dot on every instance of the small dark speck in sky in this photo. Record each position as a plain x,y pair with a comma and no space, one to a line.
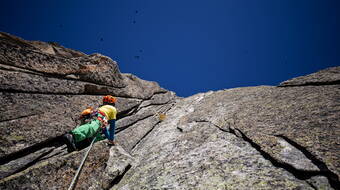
246,52
238,43
285,60
134,22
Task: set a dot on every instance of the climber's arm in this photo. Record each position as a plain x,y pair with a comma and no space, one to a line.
112,128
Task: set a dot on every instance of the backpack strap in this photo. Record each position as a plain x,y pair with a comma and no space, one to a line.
101,116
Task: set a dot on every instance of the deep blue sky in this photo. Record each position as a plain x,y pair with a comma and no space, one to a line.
190,46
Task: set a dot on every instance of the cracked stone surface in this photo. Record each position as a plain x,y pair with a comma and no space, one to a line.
327,76
308,115
201,157
43,89
262,137
36,90
296,128
290,154
58,172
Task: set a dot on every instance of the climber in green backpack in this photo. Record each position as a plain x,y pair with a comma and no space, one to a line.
106,114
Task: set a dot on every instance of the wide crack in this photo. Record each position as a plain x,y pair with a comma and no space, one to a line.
126,113
298,173
117,179
336,82
60,93
33,162
52,142
21,117
51,75
331,176
57,142
30,156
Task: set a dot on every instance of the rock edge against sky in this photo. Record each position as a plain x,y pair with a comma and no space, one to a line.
263,137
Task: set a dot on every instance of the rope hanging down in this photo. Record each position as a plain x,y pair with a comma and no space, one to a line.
161,117
81,165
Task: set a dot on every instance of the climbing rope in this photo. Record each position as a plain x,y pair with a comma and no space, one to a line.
81,165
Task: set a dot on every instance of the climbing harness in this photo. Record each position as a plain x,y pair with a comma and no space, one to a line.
71,187
101,117
90,113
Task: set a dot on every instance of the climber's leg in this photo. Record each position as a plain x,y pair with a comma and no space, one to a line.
86,131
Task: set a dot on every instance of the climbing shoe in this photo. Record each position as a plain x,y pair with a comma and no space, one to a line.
111,143
69,141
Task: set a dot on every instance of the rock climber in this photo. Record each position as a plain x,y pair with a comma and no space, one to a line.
102,117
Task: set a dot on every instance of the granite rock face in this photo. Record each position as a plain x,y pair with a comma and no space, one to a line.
265,137
327,76
43,88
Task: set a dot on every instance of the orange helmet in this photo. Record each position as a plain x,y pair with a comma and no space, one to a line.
109,99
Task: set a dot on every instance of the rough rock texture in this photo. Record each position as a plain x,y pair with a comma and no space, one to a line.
43,87
182,154
328,76
264,137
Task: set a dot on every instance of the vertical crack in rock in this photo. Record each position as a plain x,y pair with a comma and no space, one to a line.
120,129
152,104
312,185
117,179
135,111
145,135
324,170
9,67
27,157
148,132
158,92
336,82
33,162
21,117
157,99
180,129
53,143
66,77
53,93
57,151
56,142
127,113
299,174
138,107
